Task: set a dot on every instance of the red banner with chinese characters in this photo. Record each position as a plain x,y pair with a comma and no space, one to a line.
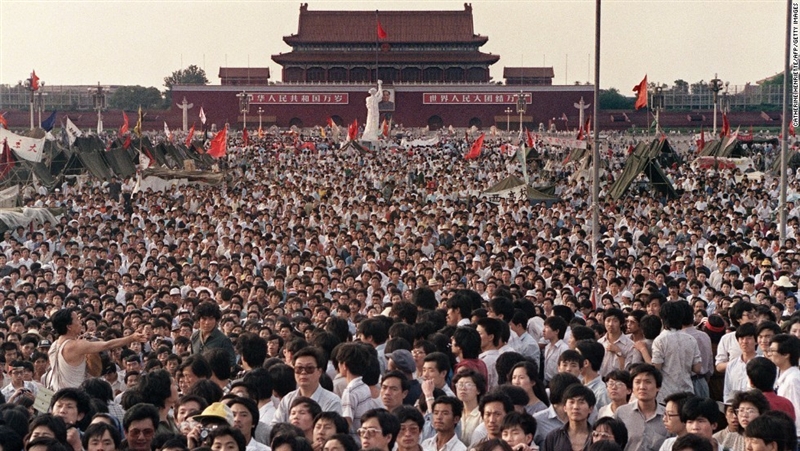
448,98
301,98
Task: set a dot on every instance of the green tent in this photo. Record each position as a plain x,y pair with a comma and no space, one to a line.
645,159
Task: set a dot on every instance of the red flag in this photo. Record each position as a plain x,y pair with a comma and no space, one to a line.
702,141
3,121
124,129
352,130
726,126
6,160
588,127
791,128
475,150
260,132
580,133
245,137
34,81
127,142
219,144
641,93
385,128
190,136
529,139
381,32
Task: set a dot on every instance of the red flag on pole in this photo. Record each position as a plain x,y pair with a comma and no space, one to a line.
702,141
588,127
34,81
3,121
580,133
385,128
529,139
475,150
127,142
124,129
641,94
381,32
726,126
791,128
219,144
190,136
352,130
245,137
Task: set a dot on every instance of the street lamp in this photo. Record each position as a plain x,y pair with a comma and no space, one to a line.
260,112
99,97
658,103
40,101
30,87
715,86
508,119
244,105
521,111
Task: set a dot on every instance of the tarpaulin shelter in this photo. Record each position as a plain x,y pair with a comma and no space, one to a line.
645,160
725,147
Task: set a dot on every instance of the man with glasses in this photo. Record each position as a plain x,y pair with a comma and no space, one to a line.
18,385
309,364
140,423
411,424
784,353
378,430
672,418
728,348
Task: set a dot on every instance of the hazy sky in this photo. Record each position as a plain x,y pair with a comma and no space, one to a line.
140,42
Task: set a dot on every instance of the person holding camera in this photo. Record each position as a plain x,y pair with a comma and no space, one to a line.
18,386
214,416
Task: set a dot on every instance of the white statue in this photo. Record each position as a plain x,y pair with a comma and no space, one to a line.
372,125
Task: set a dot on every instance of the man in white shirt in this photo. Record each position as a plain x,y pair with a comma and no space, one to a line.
446,415
308,367
16,370
785,353
245,419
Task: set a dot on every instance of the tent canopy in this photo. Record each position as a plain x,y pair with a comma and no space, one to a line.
644,159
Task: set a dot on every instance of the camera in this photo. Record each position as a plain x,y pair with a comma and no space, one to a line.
204,431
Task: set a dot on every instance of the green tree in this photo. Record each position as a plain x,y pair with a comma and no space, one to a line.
131,97
611,99
681,86
192,75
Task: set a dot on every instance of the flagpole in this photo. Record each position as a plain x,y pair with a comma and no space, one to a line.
595,150
784,129
377,47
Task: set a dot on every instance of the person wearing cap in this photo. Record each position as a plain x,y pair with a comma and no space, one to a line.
401,360
214,416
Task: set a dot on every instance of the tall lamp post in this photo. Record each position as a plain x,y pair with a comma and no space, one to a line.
715,86
40,101
29,85
99,97
521,111
260,112
244,105
508,112
658,104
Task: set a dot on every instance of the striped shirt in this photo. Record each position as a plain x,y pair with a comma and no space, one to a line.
356,401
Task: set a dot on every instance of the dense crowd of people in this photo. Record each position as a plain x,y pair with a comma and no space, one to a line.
329,299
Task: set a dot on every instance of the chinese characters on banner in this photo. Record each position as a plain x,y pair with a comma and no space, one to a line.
471,98
301,98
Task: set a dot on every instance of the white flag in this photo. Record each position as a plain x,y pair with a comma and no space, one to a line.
167,132
26,148
73,131
202,116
